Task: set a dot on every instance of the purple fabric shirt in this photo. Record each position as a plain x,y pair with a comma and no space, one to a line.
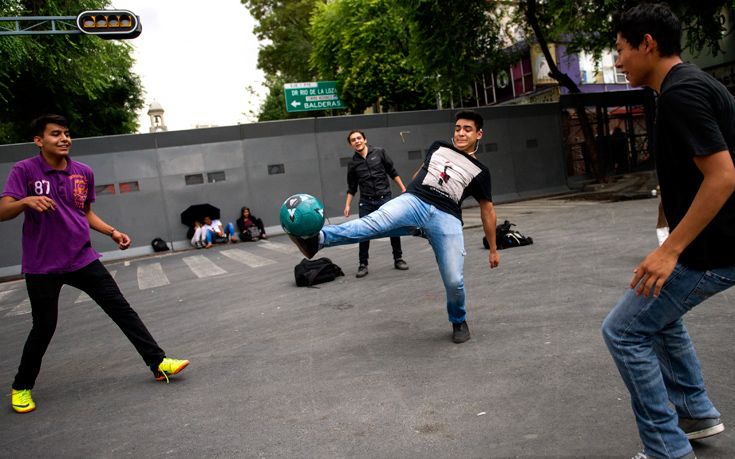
58,241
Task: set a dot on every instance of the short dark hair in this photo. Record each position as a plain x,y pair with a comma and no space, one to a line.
655,19
38,126
470,115
359,132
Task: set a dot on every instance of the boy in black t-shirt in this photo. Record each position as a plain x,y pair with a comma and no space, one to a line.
431,207
694,141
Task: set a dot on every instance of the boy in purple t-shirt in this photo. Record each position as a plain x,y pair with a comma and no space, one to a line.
55,194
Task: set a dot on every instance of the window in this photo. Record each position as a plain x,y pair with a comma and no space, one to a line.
415,154
274,169
129,187
214,177
101,190
196,179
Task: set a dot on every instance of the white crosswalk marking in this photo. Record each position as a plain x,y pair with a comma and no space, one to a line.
150,276
84,297
203,267
246,258
4,294
288,249
23,308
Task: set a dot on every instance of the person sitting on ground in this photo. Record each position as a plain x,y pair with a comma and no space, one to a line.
213,228
199,239
251,227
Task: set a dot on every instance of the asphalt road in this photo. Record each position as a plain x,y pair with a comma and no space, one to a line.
361,367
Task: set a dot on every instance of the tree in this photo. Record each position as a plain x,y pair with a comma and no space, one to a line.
586,26
82,77
452,45
284,25
364,45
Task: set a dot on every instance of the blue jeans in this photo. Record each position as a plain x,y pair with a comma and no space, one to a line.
368,206
655,357
96,281
229,232
400,217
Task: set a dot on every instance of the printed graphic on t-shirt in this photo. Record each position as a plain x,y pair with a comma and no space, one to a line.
80,190
449,173
40,187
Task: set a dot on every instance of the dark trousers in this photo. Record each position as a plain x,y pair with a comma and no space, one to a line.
95,281
368,206
245,235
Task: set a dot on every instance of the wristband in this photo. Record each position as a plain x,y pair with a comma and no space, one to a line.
112,231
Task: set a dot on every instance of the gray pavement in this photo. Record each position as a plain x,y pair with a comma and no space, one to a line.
361,367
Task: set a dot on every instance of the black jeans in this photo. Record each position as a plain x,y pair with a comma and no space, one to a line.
366,207
95,281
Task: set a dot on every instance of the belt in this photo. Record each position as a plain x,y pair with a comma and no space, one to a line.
375,198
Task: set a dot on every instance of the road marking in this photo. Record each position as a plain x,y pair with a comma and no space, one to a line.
202,266
84,297
288,249
246,258
22,308
150,276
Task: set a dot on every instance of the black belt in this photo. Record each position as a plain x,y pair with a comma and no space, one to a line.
375,198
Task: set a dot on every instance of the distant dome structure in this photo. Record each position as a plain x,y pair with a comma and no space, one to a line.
155,111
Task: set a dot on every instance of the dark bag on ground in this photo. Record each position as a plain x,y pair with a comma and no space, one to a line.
312,272
159,245
505,237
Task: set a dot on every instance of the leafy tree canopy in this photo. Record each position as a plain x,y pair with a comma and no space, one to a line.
84,78
365,46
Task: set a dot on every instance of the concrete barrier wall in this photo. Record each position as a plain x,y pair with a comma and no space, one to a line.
522,145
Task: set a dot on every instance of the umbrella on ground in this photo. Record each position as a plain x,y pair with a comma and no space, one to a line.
197,213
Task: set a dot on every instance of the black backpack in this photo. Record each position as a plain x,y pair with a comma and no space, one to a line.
159,245
505,237
312,272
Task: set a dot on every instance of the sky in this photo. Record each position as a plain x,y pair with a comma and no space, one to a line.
196,58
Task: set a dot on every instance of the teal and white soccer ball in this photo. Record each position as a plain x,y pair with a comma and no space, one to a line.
302,216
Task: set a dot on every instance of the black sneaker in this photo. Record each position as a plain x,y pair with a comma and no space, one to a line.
461,332
701,428
400,264
362,271
309,247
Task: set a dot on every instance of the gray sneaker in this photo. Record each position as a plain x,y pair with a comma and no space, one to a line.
400,264
642,455
701,428
362,271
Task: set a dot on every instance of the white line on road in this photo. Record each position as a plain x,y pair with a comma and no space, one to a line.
202,266
22,308
150,276
246,258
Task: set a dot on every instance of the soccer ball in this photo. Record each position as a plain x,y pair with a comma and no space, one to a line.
302,216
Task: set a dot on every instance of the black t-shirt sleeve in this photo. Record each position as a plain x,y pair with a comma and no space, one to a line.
691,123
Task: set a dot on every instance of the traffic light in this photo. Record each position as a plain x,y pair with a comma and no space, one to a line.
110,24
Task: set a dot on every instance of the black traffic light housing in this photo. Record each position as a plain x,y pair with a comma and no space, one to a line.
110,24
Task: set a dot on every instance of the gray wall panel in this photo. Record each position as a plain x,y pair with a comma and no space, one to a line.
309,150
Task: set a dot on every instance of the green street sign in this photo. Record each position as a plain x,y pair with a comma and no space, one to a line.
320,95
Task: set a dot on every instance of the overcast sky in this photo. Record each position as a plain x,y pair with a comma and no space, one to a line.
196,58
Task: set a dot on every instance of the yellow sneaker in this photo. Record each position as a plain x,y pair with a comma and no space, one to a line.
22,401
166,368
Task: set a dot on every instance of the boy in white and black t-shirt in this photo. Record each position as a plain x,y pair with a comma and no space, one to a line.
431,207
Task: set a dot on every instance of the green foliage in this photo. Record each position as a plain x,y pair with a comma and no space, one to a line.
586,24
455,44
85,78
365,45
